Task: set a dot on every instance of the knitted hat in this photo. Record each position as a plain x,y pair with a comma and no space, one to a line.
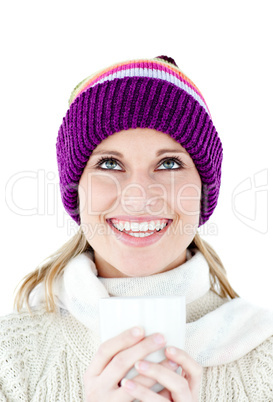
138,93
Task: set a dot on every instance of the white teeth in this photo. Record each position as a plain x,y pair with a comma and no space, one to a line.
116,225
127,226
140,234
151,225
143,226
139,227
158,225
135,227
121,227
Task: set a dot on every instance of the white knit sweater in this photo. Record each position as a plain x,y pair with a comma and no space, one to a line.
43,357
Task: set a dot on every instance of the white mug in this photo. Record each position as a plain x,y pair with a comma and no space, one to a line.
163,314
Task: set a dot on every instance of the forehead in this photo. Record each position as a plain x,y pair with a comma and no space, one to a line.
141,137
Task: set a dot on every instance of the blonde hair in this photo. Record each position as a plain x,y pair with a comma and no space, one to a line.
52,267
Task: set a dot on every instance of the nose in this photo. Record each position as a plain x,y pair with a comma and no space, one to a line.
142,195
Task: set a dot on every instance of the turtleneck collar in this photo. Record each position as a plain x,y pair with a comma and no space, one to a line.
190,279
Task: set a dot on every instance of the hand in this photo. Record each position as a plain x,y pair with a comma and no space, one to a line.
178,388
114,359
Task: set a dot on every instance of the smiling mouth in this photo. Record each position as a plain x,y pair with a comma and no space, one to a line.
140,229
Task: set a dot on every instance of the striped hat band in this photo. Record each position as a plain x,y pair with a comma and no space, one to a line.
142,68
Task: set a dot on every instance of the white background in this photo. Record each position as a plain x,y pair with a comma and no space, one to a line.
224,47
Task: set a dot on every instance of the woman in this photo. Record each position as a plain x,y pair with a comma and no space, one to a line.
140,168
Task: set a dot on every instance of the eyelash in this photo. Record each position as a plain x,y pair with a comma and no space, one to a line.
175,159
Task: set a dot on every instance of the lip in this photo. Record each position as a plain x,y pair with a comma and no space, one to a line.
138,241
130,218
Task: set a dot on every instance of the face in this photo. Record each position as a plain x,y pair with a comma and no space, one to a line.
139,203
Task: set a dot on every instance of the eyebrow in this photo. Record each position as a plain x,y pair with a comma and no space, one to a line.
159,152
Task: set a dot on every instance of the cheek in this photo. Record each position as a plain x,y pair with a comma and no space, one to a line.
187,210
188,196
97,194
188,200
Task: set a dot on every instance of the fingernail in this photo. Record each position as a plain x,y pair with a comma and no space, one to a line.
127,384
171,350
159,339
137,331
143,365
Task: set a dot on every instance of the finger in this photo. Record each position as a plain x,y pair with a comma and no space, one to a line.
166,394
120,395
100,393
140,392
191,369
177,385
149,382
110,348
125,360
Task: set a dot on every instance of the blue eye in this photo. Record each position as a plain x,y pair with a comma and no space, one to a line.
169,164
110,164
166,164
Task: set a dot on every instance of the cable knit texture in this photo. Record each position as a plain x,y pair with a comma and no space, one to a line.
43,358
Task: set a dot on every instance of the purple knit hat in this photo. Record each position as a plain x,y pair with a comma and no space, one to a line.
138,93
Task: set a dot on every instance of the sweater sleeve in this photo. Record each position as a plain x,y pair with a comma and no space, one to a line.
248,379
257,372
20,346
2,397
13,374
